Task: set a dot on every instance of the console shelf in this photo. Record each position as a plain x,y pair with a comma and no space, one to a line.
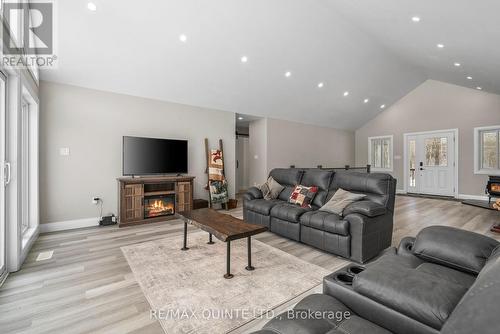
132,191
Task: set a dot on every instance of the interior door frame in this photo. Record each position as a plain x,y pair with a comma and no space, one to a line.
455,163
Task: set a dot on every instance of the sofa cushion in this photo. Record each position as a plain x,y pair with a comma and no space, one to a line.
447,274
367,208
378,187
321,179
417,294
303,196
287,176
463,250
262,206
271,189
325,221
288,212
340,200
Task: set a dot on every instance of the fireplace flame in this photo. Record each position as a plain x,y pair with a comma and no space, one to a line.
159,208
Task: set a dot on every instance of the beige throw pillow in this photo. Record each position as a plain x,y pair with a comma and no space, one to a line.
271,189
340,200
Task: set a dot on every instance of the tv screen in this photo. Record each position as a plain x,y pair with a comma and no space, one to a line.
148,156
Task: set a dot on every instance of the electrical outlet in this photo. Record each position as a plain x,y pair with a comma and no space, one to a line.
95,200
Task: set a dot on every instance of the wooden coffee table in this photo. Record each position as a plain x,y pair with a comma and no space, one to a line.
224,227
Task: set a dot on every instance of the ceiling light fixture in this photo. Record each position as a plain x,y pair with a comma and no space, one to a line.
183,38
346,93
92,6
244,59
382,106
457,64
288,74
240,118
479,88
366,100
415,19
321,85
469,78
440,46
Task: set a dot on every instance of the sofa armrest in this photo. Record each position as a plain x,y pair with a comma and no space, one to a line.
458,249
252,193
367,208
369,235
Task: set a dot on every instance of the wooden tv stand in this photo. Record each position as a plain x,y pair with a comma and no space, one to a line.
132,191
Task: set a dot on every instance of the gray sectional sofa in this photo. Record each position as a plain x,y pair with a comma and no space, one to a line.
364,230
444,281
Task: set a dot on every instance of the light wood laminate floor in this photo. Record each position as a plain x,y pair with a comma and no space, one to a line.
88,286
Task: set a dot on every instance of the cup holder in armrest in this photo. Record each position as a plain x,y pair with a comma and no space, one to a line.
344,278
355,270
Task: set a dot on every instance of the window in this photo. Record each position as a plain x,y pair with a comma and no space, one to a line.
487,150
380,153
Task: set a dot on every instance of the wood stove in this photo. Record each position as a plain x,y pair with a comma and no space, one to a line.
161,205
493,187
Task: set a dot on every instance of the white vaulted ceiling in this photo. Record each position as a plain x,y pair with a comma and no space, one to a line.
368,48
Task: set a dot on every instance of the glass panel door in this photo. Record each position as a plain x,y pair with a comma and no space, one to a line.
4,174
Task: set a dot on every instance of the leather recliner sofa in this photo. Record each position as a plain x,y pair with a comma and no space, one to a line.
444,281
364,230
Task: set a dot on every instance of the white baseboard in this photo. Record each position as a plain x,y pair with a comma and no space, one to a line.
400,192
473,197
69,225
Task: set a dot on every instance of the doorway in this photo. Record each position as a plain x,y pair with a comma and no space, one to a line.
5,173
431,163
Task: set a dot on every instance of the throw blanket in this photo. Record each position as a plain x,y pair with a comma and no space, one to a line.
216,181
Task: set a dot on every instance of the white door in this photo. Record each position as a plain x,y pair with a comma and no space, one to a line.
431,166
242,147
4,174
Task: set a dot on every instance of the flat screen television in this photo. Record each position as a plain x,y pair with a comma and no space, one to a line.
150,156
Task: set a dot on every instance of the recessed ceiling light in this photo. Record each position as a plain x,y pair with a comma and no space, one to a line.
457,64
415,19
441,46
366,100
244,59
240,118
288,74
346,93
321,85
469,78
92,6
183,38
382,106
479,88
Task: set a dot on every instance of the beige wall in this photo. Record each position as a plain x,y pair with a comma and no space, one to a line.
303,145
278,143
435,105
91,123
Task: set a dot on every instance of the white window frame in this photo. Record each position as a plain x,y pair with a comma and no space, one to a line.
391,153
478,151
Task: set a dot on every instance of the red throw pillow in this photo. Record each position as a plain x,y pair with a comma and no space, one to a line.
303,196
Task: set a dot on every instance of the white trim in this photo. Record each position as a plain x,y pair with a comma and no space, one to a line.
405,156
478,170
375,169
69,225
474,197
401,192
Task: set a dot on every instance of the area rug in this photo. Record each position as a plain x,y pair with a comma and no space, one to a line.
187,291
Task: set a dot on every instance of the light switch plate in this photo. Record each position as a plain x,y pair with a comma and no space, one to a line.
64,151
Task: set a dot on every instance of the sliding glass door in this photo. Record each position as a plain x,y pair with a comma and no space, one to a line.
4,174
